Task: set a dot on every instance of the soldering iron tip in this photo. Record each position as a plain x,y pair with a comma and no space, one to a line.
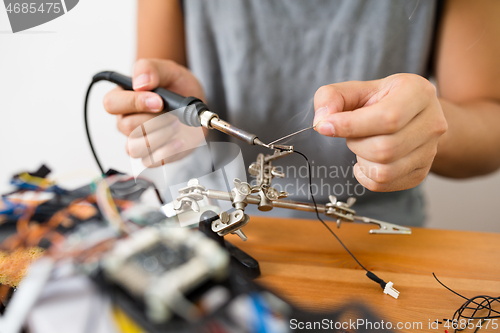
257,141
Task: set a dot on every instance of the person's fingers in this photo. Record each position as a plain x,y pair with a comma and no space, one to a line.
411,180
141,146
153,73
127,124
153,135
171,152
344,96
119,101
388,148
406,172
161,122
374,107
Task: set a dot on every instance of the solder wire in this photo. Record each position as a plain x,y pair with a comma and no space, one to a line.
290,135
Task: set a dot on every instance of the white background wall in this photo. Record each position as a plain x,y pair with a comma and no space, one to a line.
44,73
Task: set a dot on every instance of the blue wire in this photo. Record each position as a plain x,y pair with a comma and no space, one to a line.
262,311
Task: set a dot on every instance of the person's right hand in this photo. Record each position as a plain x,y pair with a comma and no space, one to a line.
168,139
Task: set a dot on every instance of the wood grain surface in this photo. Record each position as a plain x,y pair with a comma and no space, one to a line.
304,263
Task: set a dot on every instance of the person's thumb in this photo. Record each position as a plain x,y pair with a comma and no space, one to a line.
153,73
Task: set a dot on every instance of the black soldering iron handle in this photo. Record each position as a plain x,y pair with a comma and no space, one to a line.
171,101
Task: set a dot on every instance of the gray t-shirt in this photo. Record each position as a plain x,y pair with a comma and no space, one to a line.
260,63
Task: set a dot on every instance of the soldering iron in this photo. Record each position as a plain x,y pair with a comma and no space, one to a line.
191,111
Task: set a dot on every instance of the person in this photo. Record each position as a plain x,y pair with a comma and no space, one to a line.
383,126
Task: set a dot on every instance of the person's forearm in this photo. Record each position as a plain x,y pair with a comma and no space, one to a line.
471,146
160,30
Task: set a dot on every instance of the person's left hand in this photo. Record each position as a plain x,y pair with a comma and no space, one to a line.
393,125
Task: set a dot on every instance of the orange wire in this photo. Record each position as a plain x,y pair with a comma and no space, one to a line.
4,291
22,225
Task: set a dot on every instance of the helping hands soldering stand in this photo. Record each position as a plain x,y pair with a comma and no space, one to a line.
267,197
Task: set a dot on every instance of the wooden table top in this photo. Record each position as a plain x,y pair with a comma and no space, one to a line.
302,261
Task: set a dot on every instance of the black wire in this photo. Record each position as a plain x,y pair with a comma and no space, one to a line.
485,304
158,195
370,274
468,299
89,139
85,117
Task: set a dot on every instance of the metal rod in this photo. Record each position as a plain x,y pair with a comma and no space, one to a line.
229,129
288,204
289,135
251,199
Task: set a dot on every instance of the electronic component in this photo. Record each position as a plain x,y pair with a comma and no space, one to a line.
389,290
161,265
155,275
